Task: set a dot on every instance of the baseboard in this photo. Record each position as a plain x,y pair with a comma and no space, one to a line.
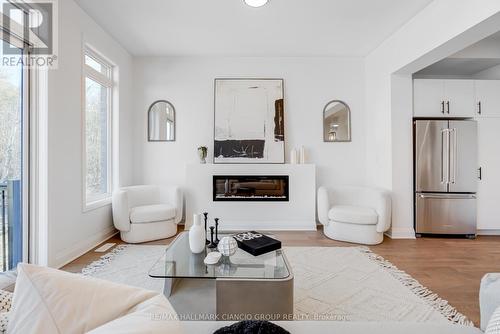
401,233
83,247
488,232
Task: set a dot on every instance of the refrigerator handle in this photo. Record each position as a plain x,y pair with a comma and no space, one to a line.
453,155
442,154
446,196
445,149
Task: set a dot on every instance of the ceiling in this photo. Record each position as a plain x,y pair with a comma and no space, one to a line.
473,59
231,28
459,66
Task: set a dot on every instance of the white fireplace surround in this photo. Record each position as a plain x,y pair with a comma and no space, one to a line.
299,213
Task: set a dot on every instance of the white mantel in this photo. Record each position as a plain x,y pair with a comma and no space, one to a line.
299,213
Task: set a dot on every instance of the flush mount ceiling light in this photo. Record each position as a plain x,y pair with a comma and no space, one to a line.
256,3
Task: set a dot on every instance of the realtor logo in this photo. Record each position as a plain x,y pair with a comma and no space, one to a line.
30,26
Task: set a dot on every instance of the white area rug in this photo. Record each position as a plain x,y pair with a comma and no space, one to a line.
330,283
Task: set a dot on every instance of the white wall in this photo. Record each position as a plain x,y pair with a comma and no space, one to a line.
70,231
310,83
486,48
492,73
443,28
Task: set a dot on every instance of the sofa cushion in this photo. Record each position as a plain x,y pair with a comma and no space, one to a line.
52,301
151,213
489,297
150,316
353,214
494,323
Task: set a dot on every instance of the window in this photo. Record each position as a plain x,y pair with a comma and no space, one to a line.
97,96
14,145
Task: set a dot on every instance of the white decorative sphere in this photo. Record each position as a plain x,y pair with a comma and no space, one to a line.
227,246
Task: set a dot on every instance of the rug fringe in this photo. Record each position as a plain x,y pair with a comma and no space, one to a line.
421,291
97,265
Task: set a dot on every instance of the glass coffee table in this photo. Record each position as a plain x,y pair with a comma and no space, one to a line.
242,284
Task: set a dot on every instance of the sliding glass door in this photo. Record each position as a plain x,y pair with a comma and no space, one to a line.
14,151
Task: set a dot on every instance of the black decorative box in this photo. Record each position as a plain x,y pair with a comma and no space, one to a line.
256,243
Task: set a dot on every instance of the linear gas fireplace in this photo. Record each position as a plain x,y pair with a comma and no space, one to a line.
250,187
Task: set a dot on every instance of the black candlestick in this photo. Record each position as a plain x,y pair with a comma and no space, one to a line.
212,244
216,231
206,234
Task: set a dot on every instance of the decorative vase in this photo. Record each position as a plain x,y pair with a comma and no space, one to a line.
202,154
302,155
293,157
196,235
227,246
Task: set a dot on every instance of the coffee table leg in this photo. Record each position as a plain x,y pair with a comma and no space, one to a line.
255,297
168,287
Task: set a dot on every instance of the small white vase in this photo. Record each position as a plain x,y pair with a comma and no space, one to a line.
293,157
302,155
197,235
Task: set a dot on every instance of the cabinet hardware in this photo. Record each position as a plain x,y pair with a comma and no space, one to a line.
448,107
442,107
479,108
480,169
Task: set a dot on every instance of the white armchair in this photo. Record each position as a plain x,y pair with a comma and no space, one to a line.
354,214
146,213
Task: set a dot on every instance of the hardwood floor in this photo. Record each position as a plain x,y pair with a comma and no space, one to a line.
452,268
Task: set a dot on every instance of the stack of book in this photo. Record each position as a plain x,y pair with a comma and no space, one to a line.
256,243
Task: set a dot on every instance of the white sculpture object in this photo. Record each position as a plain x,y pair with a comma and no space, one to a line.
227,246
197,235
212,258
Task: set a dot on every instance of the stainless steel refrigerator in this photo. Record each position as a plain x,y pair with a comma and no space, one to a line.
446,174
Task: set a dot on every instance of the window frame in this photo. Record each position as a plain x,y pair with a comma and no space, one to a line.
15,38
95,202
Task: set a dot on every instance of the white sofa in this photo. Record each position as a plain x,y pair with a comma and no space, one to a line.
354,214
147,212
50,301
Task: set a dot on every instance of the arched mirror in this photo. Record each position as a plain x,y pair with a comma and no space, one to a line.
336,122
161,121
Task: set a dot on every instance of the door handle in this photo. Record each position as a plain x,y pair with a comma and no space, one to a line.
442,107
453,155
443,151
480,170
448,107
447,196
445,156
479,108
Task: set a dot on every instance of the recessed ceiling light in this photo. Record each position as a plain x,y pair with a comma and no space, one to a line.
256,3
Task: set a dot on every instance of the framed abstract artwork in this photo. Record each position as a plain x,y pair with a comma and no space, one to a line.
249,121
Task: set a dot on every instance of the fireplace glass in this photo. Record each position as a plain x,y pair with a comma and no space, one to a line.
250,187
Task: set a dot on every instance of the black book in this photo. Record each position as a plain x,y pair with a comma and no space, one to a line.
256,243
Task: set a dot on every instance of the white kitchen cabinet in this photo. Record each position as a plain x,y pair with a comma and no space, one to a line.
428,98
487,98
443,98
459,98
488,192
